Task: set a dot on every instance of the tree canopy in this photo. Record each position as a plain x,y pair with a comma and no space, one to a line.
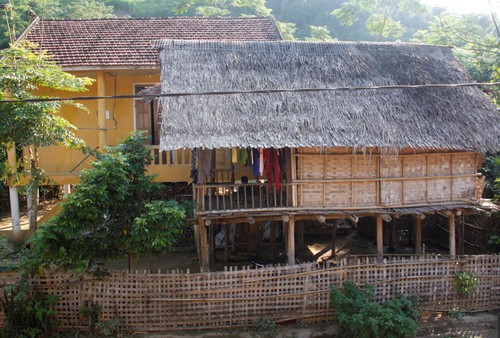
111,213
23,71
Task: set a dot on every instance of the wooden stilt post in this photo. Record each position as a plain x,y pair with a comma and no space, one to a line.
380,238
418,234
460,233
291,240
334,238
453,251
226,242
204,256
211,238
197,243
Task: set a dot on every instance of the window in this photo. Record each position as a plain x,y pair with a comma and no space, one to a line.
147,116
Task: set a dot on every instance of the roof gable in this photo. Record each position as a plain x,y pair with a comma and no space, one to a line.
122,42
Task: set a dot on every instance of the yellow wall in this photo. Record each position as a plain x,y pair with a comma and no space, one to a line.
62,164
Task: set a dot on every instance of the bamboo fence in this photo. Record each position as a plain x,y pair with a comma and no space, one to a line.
176,300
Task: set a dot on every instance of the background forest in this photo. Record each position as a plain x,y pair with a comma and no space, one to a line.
476,37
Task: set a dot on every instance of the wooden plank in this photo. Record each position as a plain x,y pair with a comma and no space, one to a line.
451,230
204,256
291,241
380,237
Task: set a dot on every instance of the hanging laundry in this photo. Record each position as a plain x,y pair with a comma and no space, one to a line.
243,156
250,157
261,162
194,172
234,155
272,167
255,160
205,157
281,159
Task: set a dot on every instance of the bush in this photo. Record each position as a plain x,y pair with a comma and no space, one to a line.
359,315
465,282
264,324
27,314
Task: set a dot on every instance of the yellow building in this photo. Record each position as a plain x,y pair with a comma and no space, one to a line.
120,54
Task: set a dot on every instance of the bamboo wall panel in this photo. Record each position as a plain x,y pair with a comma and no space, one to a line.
156,302
464,188
374,180
414,192
391,192
464,163
364,167
439,190
338,194
414,166
364,194
439,164
338,167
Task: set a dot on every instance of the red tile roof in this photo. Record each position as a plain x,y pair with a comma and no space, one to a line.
126,42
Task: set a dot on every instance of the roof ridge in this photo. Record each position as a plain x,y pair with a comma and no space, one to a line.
163,18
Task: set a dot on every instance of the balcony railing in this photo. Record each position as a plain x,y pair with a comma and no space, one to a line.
217,197
339,194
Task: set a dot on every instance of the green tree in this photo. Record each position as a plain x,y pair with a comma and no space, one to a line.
111,214
287,30
319,33
30,125
222,7
381,20
473,38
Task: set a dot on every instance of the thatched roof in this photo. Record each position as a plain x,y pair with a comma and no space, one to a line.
454,118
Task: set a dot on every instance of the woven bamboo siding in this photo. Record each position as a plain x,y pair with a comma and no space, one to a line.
332,178
182,301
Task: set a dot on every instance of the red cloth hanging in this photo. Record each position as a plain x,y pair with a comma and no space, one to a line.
272,167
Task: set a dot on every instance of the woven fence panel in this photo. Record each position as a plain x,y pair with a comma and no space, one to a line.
155,302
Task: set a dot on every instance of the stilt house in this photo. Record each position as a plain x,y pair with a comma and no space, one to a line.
323,146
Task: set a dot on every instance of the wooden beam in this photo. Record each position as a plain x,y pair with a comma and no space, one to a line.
197,243
334,239
211,241
380,237
204,256
453,251
291,241
418,234
226,242
460,233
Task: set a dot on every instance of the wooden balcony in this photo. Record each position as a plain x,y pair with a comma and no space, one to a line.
338,194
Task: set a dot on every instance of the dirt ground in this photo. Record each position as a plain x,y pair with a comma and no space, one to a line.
481,325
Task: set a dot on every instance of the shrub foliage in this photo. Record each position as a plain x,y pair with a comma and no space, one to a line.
359,315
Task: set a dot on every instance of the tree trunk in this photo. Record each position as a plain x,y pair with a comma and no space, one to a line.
33,192
131,262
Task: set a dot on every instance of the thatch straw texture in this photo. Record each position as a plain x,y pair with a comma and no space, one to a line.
453,118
